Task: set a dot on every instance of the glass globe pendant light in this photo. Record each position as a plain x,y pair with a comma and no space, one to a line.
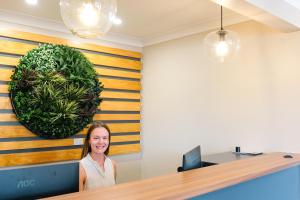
88,18
222,44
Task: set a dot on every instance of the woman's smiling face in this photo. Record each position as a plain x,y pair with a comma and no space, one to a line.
99,140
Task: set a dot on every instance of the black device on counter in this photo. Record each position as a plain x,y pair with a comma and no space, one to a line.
192,159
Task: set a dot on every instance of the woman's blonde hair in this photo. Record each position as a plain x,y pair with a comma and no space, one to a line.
87,147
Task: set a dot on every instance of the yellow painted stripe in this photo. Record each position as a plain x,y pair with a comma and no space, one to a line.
100,71
5,75
120,106
3,88
54,40
125,138
7,117
118,73
119,95
104,94
19,48
125,127
105,105
55,156
39,157
117,117
120,84
4,60
21,131
56,143
5,103
125,149
14,131
35,144
113,61
12,61
12,47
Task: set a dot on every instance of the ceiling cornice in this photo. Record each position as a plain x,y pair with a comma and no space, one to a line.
192,29
55,28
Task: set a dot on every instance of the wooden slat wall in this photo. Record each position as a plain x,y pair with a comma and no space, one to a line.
119,71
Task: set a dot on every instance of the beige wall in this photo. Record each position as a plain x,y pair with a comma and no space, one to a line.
252,101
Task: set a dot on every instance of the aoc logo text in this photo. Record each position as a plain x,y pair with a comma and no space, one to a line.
26,183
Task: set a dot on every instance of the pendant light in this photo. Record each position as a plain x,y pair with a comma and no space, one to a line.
88,18
221,45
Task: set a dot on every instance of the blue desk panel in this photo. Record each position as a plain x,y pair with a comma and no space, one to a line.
282,185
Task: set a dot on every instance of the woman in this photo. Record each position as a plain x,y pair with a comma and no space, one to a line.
96,168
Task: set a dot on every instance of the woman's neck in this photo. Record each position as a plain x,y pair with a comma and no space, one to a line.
98,157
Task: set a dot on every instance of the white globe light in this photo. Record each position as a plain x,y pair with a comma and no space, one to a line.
88,15
32,2
88,18
222,49
116,20
221,45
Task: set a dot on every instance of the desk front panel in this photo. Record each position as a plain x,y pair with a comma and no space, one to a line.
282,185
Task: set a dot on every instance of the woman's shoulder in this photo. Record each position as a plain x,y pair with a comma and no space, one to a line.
113,162
85,160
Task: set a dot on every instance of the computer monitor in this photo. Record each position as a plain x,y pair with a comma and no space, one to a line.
38,181
192,159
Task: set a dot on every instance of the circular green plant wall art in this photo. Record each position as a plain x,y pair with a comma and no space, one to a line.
55,91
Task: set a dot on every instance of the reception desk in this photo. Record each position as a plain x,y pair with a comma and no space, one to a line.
264,177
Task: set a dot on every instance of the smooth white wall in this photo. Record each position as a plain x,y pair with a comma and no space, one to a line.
252,101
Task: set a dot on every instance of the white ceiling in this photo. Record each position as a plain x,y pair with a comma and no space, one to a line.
147,22
143,20
147,18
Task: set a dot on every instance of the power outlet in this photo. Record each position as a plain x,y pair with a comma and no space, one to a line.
78,141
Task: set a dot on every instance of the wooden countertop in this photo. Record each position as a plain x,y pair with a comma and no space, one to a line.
192,183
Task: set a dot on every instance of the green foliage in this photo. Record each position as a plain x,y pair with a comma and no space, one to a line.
55,91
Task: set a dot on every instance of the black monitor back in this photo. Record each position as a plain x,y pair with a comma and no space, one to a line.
39,181
192,159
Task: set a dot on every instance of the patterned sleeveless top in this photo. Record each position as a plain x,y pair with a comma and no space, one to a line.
95,175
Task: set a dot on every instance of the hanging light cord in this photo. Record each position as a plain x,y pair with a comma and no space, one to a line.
222,18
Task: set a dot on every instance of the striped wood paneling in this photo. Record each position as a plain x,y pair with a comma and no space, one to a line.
18,48
104,106
109,83
104,94
22,132
57,143
10,117
118,70
58,155
54,40
13,61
